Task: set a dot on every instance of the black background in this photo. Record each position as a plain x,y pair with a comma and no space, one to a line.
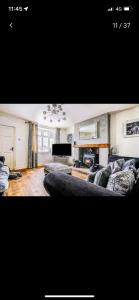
67,53
70,51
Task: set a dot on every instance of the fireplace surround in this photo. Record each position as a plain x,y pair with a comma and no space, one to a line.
101,142
89,154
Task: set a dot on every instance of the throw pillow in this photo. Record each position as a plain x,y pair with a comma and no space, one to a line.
111,165
130,162
120,162
133,169
121,182
116,167
102,176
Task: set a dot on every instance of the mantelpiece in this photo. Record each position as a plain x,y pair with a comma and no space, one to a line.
92,146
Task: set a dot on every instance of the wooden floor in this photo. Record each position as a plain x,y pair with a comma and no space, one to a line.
79,174
31,183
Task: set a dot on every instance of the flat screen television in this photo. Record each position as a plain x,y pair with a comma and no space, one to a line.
61,149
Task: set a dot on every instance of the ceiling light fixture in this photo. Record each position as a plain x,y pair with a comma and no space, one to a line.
54,112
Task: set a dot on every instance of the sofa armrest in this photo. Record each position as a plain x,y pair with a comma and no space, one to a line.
60,184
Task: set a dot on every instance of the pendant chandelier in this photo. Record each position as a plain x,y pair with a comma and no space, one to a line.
54,112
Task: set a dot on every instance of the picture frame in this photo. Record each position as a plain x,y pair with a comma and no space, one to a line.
69,138
88,132
131,128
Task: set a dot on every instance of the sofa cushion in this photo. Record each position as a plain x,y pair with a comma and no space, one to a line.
121,182
120,162
102,176
111,165
130,162
133,169
116,157
116,165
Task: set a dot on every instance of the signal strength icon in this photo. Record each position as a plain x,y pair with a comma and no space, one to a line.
110,9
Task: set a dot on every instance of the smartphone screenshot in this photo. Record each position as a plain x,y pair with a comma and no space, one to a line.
69,159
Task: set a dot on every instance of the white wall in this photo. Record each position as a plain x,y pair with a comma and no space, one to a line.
21,142
70,130
44,158
63,139
21,139
103,156
126,146
63,135
64,132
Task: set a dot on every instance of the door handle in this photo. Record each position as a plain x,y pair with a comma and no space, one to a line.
12,149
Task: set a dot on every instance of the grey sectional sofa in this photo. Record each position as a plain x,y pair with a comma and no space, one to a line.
59,184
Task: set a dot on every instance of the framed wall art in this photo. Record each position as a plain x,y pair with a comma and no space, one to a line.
131,128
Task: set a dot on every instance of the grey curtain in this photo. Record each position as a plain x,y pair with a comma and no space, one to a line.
57,139
33,145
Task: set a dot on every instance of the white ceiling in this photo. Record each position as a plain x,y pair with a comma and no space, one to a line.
75,112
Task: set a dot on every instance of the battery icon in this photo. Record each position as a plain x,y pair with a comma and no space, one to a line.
127,8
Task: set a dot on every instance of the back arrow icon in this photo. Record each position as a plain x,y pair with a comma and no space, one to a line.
11,25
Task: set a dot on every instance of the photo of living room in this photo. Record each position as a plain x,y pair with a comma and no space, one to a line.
69,149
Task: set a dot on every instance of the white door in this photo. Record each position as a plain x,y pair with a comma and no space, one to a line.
7,145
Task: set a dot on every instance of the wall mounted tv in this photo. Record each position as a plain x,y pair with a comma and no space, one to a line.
61,149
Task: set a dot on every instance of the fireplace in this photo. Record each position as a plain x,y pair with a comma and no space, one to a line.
88,160
88,157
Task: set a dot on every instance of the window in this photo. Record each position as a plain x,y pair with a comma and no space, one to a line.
45,140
